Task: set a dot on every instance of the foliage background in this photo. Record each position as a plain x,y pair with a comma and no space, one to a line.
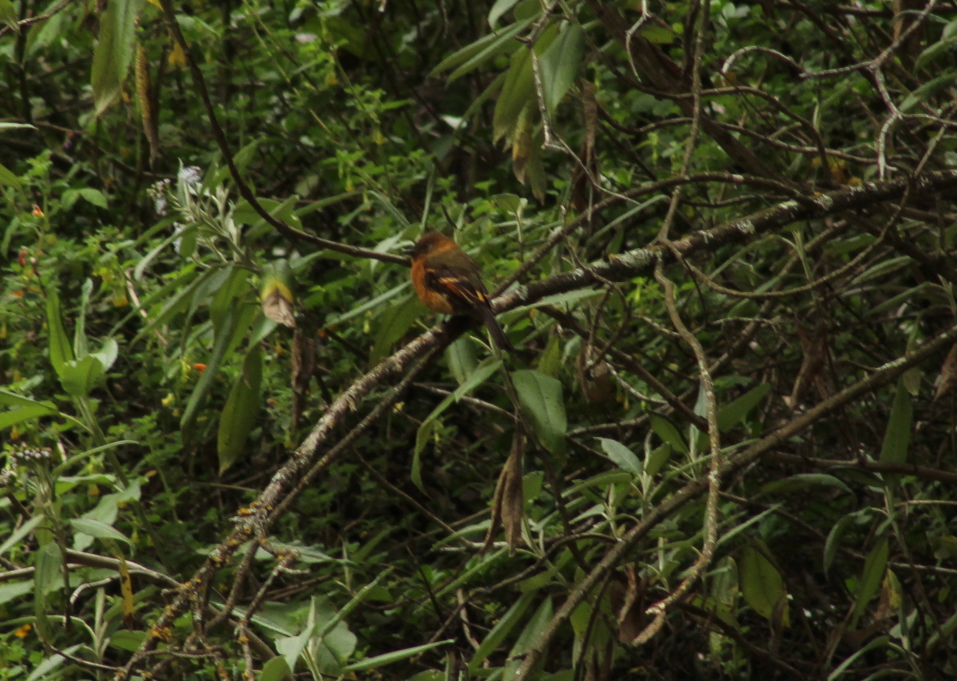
729,223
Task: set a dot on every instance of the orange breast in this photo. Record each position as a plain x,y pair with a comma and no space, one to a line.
432,299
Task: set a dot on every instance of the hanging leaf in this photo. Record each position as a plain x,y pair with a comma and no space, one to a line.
668,432
512,493
126,590
9,179
482,50
8,15
461,359
761,584
948,374
560,63
542,403
500,631
114,51
392,324
144,96
897,435
498,9
276,293
239,414
871,579
734,412
529,636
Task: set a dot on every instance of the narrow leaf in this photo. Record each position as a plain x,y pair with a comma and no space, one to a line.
668,432
98,529
871,579
114,51
897,435
500,631
8,178
734,412
239,413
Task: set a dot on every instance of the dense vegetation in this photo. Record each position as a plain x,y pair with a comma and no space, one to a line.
236,445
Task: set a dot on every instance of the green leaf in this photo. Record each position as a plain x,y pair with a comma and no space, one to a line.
656,458
761,583
500,631
550,361
276,669
878,642
9,592
668,432
560,63
114,51
232,311
390,208
8,15
928,90
424,433
206,380
516,93
80,376
98,529
61,351
10,399
498,9
394,656
897,436
44,669
938,49
659,35
801,481
48,574
239,414
530,634
93,196
9,179
329,640
871,579
392,324
621,455
734,412
284,211
178,301
475,54
541,399
461,359
129,641
422,437
17,535
14,416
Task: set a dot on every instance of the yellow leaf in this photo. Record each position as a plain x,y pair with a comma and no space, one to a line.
177,57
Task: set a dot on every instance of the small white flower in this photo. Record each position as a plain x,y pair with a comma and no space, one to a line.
189,175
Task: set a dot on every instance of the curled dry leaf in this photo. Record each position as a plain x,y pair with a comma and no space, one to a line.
303,360
580,195
594,377
627,597
144,93
508,500
948,373
812,368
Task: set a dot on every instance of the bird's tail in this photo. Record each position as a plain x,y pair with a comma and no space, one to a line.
495,330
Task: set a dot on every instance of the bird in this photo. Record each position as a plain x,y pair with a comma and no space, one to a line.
447,280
